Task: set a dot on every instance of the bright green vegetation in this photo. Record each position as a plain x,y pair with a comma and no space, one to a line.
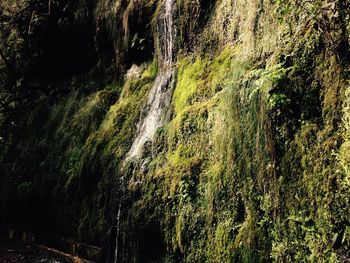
253,164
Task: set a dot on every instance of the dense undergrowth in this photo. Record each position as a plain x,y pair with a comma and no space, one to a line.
252,165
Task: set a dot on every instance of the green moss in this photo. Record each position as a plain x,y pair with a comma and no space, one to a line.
189,80
345,148
251,167
193,178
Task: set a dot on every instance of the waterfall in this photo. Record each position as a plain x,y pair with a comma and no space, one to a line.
153,115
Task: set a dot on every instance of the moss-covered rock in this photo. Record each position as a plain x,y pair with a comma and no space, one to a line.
252,164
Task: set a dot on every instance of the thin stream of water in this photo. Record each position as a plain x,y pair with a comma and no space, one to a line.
159,98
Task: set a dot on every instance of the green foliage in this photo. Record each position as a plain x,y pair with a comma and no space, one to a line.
279,101
137,42
252,166
345,148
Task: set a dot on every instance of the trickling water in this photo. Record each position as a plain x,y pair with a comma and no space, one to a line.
159,98
118,222
153,115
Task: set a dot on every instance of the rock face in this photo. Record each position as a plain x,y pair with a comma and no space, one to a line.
183,131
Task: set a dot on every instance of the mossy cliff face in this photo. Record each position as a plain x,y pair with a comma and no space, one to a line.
252,164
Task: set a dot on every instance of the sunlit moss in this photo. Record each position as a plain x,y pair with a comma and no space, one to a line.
252,164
